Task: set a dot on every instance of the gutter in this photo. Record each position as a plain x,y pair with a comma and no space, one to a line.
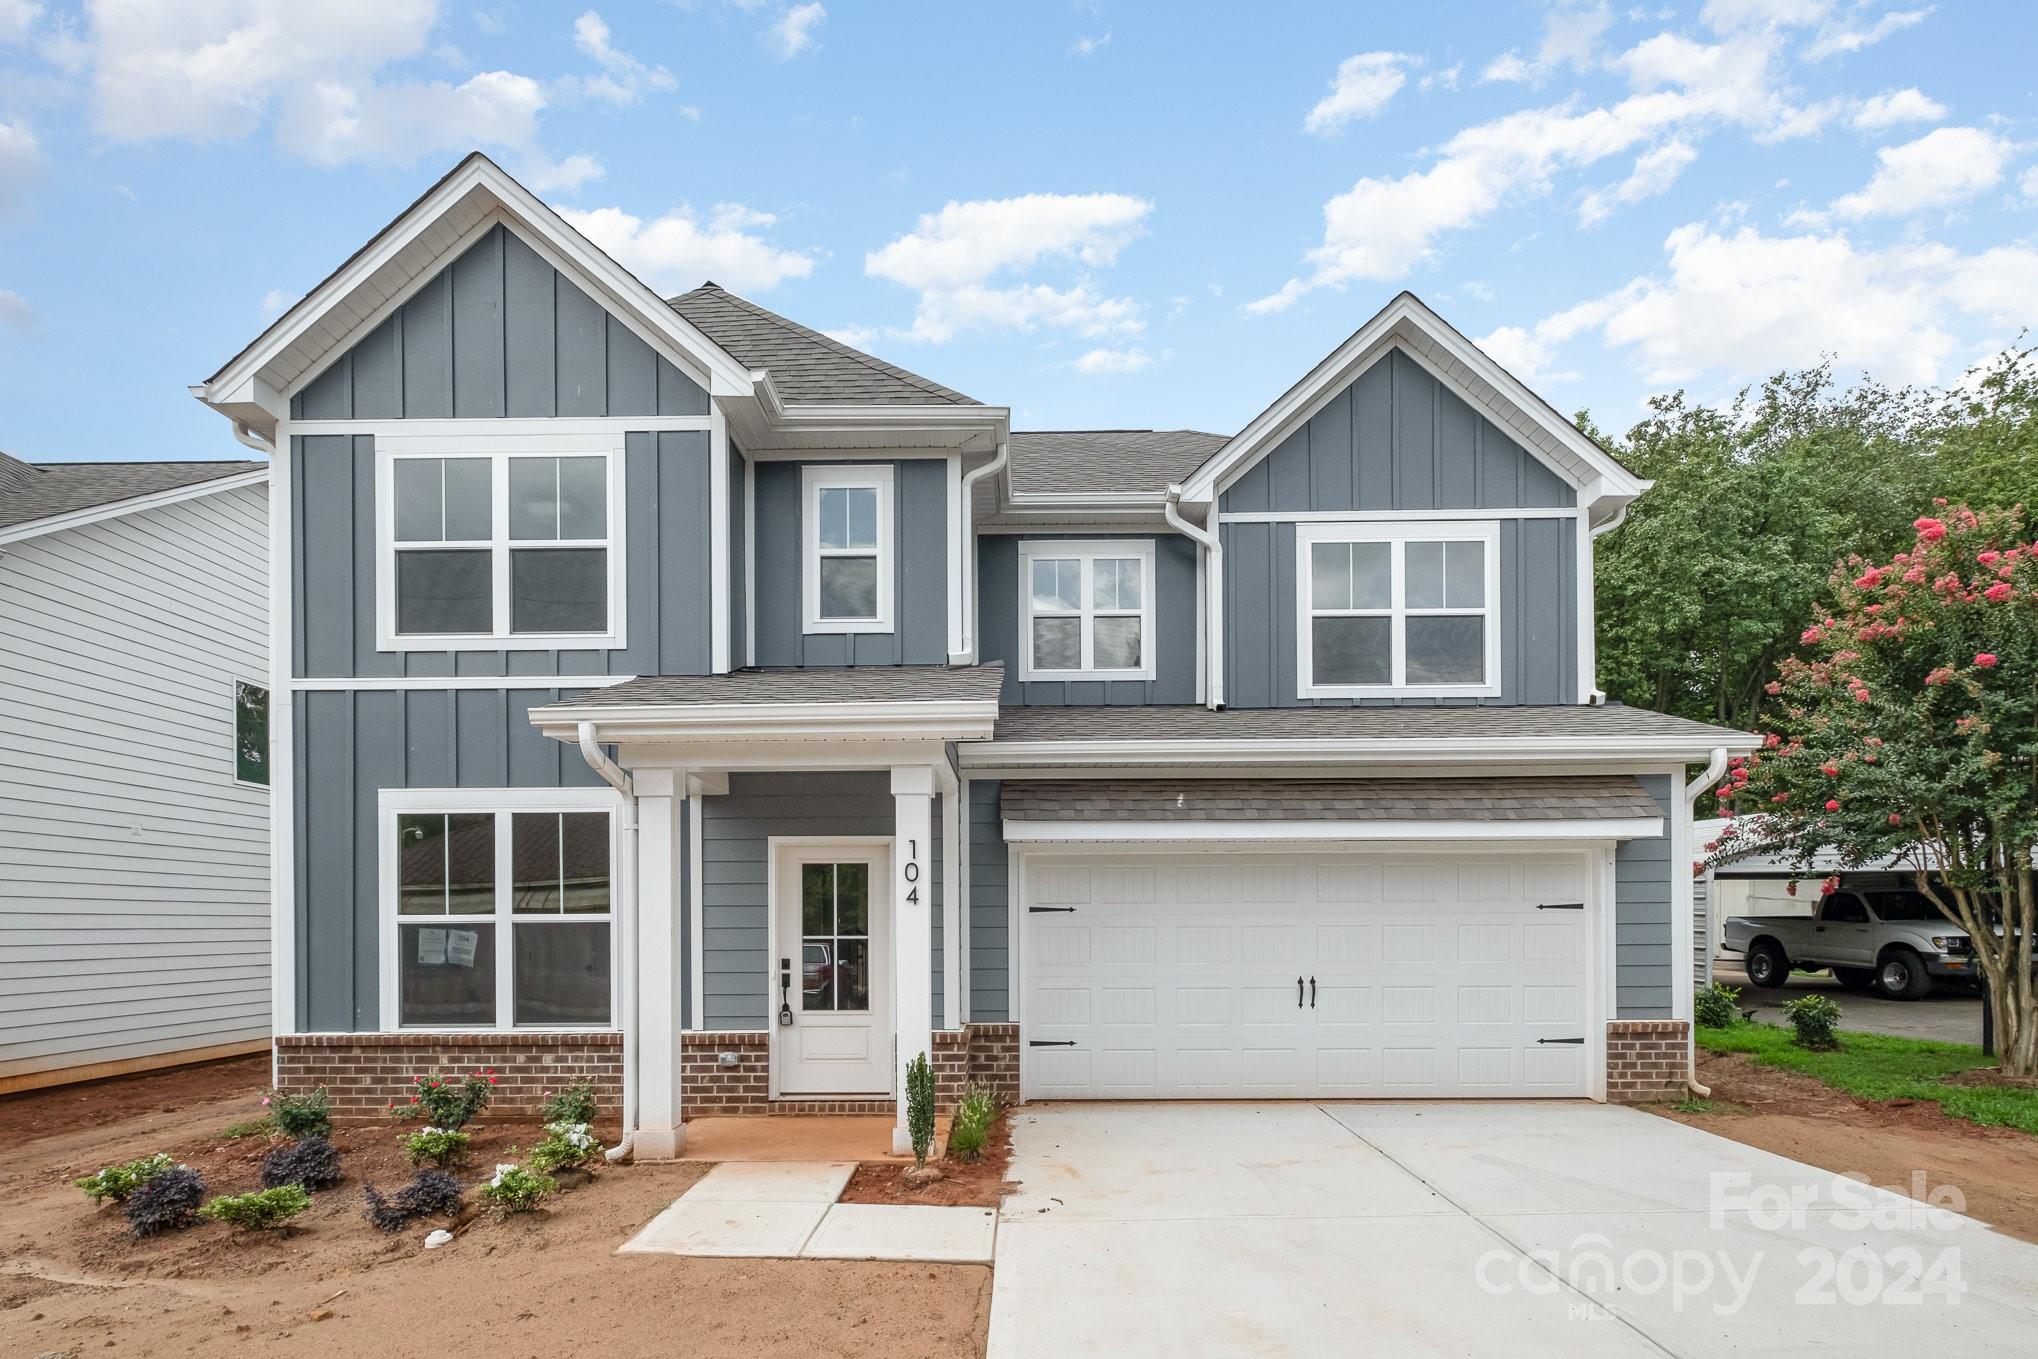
614,775
1714,768
968,654
1213,622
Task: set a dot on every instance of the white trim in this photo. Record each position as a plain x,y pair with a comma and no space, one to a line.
282,752
114,509
391,803
500,451
1398,535
234,744
749,561
516,426
697,958
851,455
958,538
426,683
1497,751
882,1017
814,478
1583,611
1607,896
948,719
1086,552
1683,925
951,913
721,610
1390,516
1263,832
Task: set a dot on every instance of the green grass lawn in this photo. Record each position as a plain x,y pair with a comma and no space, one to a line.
1873,1066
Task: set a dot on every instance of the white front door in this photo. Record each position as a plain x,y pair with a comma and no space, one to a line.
831,970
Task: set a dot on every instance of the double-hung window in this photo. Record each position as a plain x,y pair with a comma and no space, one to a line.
498,909
1086,610
846,528
1397,610
490,546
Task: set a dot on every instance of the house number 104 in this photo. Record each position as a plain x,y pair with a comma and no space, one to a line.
912,872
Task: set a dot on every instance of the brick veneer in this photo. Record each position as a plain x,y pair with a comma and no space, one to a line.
708,1086
994,1059
1646,1060
365,1071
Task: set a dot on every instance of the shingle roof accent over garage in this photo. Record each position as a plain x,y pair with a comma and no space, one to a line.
789,684
42,490
1581,798
1408,722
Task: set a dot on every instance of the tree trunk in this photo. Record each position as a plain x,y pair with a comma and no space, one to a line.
2004,959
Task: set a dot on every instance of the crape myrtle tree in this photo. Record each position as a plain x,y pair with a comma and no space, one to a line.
1908,726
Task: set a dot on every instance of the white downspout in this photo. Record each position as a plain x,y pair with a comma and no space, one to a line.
1714,767
969,549
1213,622
617,778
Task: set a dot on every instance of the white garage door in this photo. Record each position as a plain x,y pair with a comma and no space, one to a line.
1243,976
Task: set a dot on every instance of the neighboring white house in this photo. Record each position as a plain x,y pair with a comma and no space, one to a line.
134,801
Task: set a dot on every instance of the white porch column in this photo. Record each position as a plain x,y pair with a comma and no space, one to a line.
912,929
660,1134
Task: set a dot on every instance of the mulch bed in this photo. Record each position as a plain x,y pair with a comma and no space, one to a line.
963,1184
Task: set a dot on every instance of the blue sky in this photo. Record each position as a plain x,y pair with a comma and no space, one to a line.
1100,214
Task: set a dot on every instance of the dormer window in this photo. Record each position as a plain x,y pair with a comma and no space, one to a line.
1400,609
1087,610
846,527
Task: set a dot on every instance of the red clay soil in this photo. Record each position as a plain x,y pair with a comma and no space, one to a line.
1995,1169
72,1281
40,1113
963,1184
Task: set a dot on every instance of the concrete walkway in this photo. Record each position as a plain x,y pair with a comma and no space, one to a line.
1461,1229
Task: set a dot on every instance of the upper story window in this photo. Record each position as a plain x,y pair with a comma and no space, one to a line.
847,551
499,543
1086,610
1398,610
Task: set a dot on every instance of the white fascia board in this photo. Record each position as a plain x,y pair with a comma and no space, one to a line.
1407,316
956,720
1529,750
1154,832
93,514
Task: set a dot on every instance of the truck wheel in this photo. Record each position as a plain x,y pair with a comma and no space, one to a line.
1855,978
1768,967
1901,976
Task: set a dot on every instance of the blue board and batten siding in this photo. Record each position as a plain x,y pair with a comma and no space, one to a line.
1643,955
1174,623
1398,439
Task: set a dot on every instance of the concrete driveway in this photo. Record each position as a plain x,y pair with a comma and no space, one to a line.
1948,1015
1462,1229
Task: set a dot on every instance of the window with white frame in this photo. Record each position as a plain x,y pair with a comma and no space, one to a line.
1398,609
499,917
846,518
491,546
1086,610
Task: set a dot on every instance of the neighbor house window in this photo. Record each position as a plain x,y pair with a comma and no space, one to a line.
251,734
1395,609
501,916
499,547
1086,610
846,525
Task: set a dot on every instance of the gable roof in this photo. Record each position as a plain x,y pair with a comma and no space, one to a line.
807,367
31,492
1409,324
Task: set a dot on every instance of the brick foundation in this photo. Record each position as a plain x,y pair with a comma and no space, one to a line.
1646,1060
711,1087
365,1071
994,1059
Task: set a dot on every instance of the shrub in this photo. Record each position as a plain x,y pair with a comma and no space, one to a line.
167,1202
971,1127
517,1188
440,1146
117,1182
920,1106
574,1104
433,1193
307,1115
1717,1006
567,1146
260,1209
1813,1017
312,1164
444,1103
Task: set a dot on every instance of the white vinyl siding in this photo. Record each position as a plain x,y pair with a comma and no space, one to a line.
134,869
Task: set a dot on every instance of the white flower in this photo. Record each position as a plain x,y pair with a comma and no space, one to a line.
502,1168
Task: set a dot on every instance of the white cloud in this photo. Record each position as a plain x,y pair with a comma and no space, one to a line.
1733,16
677,251
1911,105
541,174
1837,38
624,78
275,301
856,337
20,163
794,31
334,122
1362,88
1089,47
1445,79
2028,185
951,258
15,313
1571,34
1654,172
1508,69
1112,361
16,18
1937,170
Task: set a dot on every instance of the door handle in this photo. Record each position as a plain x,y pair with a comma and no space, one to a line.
785,993
1298,993
1312,993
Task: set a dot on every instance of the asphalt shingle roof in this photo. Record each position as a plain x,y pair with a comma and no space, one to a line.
1078,460
850,684
41,490
1586,798
807,367
1469,723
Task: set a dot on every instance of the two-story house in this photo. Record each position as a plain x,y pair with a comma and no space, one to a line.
670,694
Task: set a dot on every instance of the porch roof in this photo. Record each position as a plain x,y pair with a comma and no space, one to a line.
938,702
795,684
1595,797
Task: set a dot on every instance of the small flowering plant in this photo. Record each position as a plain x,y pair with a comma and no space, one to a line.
1910,729
517,1188
447,1103
440,1147
567,1146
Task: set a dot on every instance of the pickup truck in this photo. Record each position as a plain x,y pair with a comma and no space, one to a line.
1893,941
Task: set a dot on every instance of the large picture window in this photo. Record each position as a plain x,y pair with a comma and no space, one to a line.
1397,609
1086,610
498,916
487,547
846,532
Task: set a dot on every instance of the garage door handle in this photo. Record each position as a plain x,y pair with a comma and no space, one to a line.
1298,993
1560,906
1070,1042
1312,993
1560,1040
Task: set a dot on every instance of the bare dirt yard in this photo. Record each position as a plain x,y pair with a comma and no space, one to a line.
74,1282
1995,1169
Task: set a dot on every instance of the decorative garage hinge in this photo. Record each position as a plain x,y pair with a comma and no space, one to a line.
1560,1040
1560,906
1050,910
1070,1042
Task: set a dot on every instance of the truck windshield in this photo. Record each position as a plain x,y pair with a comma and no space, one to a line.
1903,906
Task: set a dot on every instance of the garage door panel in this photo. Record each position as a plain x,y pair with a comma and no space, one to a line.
1345,1006
1353,883
1344,942
1205,945
1486,1005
